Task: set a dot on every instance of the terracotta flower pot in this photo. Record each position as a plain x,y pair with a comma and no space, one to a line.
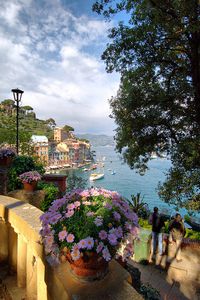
89,267
6,161
30,187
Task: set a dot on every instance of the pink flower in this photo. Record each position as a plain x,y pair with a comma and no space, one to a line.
90,243
70,238
103,234
106,254
70,206
69,213
62,235
112,239
75,254
77,204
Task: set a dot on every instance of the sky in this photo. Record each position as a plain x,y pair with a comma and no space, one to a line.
51,49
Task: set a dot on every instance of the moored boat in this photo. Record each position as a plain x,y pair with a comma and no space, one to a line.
96,176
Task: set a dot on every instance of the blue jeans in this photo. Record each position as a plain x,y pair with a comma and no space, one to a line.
156,237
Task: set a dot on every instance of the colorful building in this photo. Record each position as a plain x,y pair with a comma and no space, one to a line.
41,147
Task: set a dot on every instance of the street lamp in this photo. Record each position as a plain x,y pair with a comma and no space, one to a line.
17,94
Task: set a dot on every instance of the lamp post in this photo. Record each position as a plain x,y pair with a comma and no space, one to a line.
17,94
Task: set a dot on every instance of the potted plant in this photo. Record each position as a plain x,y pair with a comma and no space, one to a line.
6,156
87,228
30,180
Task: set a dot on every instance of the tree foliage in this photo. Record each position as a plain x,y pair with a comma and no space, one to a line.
157,107
68,128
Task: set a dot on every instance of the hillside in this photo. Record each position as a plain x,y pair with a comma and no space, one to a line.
98,140
28,123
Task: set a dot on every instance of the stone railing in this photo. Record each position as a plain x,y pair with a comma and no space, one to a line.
20,246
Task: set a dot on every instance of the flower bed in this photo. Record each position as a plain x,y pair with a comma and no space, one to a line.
85,221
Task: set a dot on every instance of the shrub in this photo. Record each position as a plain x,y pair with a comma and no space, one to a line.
149,292
51,193
22,164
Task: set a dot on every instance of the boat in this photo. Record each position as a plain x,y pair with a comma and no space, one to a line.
96,176
85,169
113,173
93,167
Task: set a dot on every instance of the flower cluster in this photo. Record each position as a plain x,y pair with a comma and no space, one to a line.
7,152
30,176
95,220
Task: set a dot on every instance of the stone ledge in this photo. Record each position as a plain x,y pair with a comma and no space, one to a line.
114,286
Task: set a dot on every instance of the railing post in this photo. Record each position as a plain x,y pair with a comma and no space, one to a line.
12,249
21,261
31,274
3,241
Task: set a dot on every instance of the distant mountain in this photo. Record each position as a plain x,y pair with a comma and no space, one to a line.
98,140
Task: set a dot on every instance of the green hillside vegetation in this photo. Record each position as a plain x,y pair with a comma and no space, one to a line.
28,124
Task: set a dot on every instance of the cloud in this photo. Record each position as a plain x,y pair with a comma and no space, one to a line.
53,56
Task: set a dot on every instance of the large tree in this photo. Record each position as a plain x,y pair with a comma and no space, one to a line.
157,107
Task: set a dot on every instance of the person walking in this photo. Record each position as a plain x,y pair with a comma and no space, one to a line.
157,223
177,232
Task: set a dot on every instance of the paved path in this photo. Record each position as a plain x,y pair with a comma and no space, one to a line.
174,280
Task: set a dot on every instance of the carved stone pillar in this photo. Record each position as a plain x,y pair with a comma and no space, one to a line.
21,261
3,241
31,274
12,249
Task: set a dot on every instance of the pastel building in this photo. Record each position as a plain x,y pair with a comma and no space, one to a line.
60,135
41,147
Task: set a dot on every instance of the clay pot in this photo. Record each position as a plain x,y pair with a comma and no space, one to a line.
89,267
6,161
30,187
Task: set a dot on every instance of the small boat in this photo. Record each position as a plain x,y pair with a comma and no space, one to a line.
113,173
93,167
109,170
96,176
85,169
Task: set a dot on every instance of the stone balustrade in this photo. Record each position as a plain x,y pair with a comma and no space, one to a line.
21,248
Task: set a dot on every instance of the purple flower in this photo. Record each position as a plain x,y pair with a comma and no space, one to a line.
100,247
90,243
112,239
103,234
108,206
89,214
7,152
62,235
30,176
82,244
98,221
106,254
119,232
116,216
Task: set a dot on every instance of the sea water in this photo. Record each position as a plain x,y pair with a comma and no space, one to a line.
126,181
